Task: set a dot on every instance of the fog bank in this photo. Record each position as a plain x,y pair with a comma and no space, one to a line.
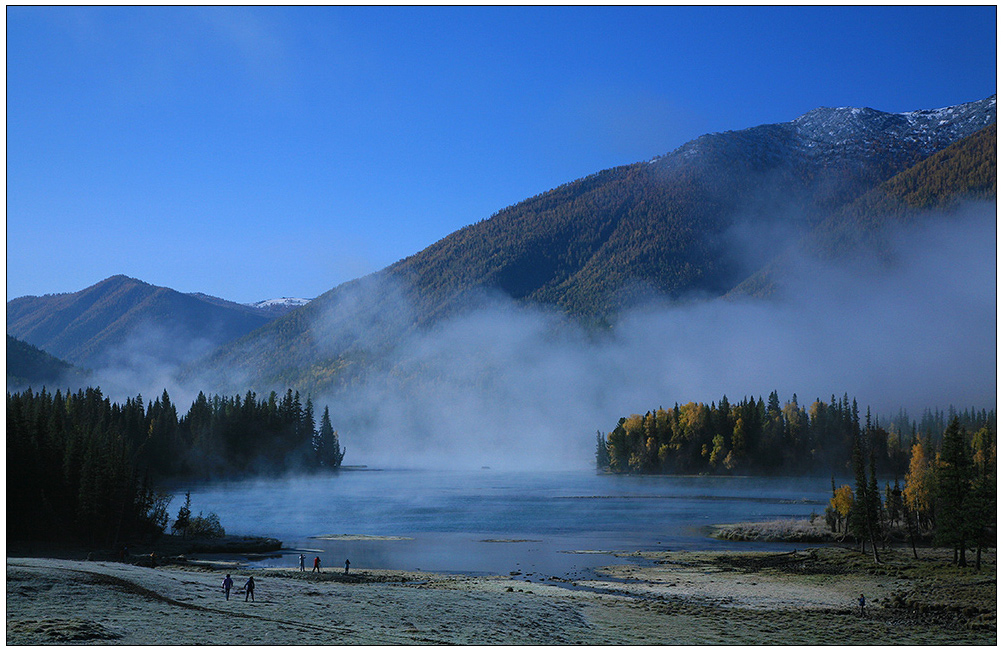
507,385
515,386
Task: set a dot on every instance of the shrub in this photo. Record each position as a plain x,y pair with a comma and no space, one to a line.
207,526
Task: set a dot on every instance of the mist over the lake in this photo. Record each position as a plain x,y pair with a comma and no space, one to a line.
510,385
516,386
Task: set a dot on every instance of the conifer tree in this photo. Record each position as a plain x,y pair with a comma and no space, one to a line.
184,518
309,426
602,452
857,521
982,500
873,509
330,454
954,478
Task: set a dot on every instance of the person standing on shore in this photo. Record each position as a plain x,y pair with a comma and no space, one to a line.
302,561
316,563
249,589
346,566
227,584
861,601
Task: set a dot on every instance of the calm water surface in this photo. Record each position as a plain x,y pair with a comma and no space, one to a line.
493,522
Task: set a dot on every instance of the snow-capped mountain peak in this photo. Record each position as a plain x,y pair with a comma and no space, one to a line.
278,306
281,301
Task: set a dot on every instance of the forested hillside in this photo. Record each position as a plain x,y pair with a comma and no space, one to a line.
964,171
693,223
119,316
28,365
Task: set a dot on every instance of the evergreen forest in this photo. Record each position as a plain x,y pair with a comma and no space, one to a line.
82,468
947,462
948,497
771,438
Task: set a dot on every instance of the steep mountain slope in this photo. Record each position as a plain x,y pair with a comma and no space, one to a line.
695,222
95,326
965,170
671,224
30,366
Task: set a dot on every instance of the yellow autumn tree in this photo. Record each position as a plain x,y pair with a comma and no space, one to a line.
842,503
920,484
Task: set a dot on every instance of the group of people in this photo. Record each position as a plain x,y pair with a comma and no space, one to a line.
248,587
316,563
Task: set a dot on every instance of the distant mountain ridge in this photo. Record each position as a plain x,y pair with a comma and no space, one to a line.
90,327
696,222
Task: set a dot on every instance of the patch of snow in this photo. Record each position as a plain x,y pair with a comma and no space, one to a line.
281,301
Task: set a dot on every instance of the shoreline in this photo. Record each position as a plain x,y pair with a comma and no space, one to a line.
678,597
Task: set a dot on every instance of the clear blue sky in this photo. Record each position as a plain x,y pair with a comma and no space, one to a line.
253,153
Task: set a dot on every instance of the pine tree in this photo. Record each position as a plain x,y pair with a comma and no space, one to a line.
873,510
602,452
857,521
184,519
954,478
339,452
982,499
309,428
327,449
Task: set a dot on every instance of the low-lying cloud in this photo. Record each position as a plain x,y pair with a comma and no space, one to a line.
519,386
508,385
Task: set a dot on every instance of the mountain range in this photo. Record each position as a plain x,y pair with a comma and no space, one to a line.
93,326
717,217
706,220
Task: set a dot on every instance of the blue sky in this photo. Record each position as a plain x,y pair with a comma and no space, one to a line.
252,153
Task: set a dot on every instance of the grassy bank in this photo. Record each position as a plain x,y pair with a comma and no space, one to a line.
778,530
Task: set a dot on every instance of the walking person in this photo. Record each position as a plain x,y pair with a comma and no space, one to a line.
227,584
346,566
861,601
249,589
316,563
302,560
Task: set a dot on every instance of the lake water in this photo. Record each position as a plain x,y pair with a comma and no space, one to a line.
494,522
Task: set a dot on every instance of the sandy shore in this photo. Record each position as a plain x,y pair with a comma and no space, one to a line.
653,598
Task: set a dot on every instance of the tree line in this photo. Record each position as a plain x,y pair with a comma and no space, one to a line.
946,460
949,495
80,467
755,436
